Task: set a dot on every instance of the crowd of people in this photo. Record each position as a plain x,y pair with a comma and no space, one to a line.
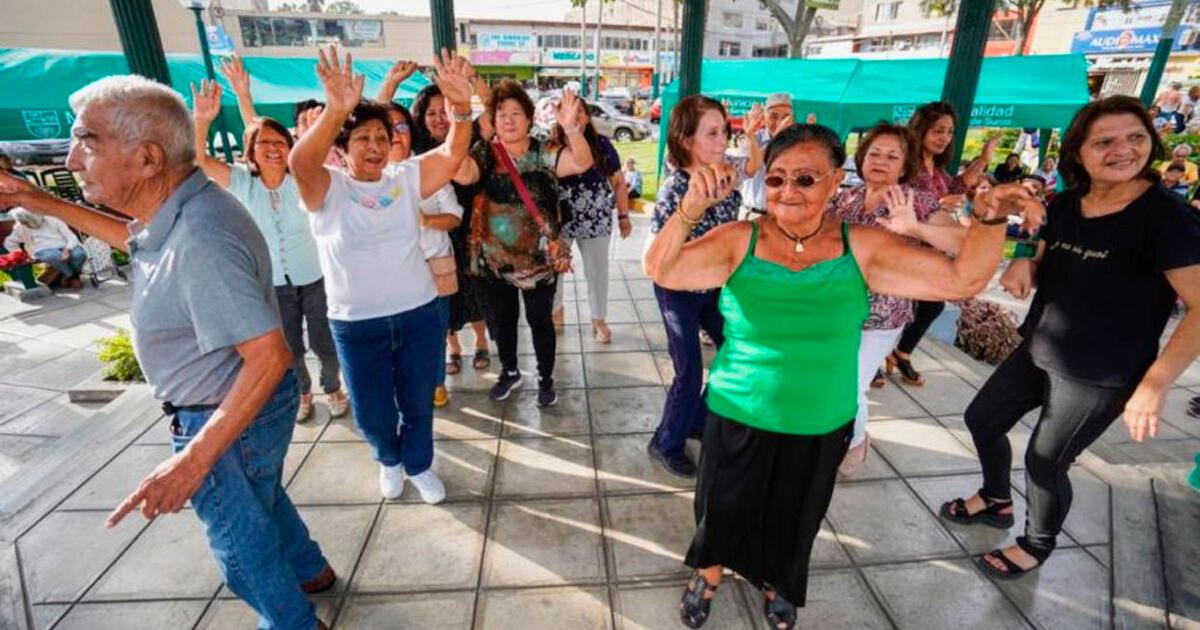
372,235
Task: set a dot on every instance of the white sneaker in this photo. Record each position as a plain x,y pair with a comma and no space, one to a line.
338,404
430,486
391,480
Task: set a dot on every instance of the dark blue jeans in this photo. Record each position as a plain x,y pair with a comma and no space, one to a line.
391,369
443,305
684,314
257,538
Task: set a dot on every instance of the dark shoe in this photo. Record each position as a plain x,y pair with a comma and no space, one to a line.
323,582
908,373
1011,570
678,465
507,383
694,608
990,515
780,613
879,380
547,397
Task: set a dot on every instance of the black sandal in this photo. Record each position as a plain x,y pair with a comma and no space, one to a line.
878,380
1012,570
482,360
990,515
694,609
454,365
780,613
908,373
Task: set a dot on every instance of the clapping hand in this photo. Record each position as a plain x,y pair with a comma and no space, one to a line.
343,88
307,119
1012,199
902,214
235,72
567,111
206,103
453,78
400,71
709,185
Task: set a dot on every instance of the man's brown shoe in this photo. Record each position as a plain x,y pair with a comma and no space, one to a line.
323,582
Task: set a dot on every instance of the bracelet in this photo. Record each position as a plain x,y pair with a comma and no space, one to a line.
623,217
996,221
690,222
461,118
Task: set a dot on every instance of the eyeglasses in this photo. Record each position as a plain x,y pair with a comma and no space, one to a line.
802,180
400,128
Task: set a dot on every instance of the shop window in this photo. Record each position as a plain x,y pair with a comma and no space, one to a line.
731,20
259,31
730,49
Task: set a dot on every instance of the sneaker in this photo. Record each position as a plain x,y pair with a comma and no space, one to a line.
507,383
547,397
441,397
430,486
338,404
306,409
678,465
391,480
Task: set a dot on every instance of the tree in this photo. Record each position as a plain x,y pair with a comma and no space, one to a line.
1026,12
305,6
344,7
796,24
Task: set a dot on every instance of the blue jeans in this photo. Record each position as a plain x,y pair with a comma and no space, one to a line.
257,538
391,368
68,268
684,314
443,305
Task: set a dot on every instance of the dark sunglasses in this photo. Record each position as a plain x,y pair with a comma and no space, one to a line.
802,180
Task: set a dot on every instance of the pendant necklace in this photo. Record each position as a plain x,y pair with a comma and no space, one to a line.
799,240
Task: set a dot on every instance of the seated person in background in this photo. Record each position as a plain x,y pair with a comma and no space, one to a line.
1010,170
1173,180
633,178
50,241
1179,156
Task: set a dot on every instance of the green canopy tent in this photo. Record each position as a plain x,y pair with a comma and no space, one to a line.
1042,91
39,83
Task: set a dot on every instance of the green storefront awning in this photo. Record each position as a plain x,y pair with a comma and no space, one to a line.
39,82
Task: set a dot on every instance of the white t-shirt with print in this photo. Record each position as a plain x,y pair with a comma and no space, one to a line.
436,243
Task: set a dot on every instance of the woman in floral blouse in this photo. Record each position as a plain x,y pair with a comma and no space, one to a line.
697,136
887,161
588,201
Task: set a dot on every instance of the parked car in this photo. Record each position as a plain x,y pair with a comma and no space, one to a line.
617,92
620,103
615,125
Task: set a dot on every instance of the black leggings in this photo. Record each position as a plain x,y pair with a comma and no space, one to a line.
1074,415
926,312
503,311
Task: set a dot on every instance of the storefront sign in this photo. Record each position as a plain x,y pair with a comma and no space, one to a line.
503,58
1114,30
607,58
506,41
981,115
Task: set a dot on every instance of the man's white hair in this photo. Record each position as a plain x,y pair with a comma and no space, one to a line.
26,218
142,111
1184,149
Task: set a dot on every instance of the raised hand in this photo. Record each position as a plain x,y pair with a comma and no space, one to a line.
400,71
206,103
343,88
1012,199
13,190
567,111
755,118
953,203
307,119
482,91
453,78
989,147
235,72
902,215
709,185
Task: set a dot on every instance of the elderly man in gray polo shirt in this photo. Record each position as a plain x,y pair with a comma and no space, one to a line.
207,334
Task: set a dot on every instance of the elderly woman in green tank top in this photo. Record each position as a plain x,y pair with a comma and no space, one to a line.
782,390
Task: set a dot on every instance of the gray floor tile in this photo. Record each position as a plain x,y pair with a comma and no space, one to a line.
544,609
450,610
617,290
566,550
15,399
1070,591
341,531
468,416
55,417
234,614
84,336
546,466
16,450
340,472
567,342
472,380
119,616
827,551
873,468
943,393
21,353
46,615
624,465
1088,520
625,338
46,323
905,532
621,369
1101,553
421,547
296,453
657,607
649,312
978,539
171,560
620,312
921,447
656,336
1175,412
343,429
66,551
942,594
118,479
311,430
640,287
62,373
465,467
525,418
837,600
568,372
649,534
890,402
626,410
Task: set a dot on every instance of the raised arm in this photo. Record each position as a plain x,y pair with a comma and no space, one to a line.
941,231
235,72
206,105
343,91
399,73
621,189
442,164
19,192
979,165
754,159
707,262
576,157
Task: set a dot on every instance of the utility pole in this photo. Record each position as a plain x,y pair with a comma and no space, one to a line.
694,18
1163,52
599,28
675,36
655,80
583,80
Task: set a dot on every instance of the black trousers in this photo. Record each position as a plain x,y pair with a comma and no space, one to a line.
760,500
300,304
925,313
503,310
1074,415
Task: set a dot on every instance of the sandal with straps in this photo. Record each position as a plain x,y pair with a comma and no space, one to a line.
780,613
694,609
454,365
482,360
991,515
1011,570
908,373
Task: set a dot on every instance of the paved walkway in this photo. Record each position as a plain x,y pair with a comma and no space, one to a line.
557,519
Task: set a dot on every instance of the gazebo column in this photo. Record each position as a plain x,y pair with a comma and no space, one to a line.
962,71
441,14
694,15
140,40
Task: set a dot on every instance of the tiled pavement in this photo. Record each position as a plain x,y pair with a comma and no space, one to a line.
557,518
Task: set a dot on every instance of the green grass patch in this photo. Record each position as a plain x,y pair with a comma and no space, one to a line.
646,155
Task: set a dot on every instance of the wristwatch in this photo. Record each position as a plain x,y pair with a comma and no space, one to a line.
996,221
460,118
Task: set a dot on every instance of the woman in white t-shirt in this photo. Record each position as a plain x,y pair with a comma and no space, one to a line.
382,299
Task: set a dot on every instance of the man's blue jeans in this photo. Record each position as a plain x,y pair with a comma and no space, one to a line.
257,538
443,304
391,369
68,268
684,314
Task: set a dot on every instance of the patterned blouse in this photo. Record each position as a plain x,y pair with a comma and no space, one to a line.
589,199
939,183
675,186
887,311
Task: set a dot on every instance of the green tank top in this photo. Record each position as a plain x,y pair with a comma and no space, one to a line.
789,363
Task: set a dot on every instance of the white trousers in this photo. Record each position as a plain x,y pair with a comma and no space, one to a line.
594,252
875,346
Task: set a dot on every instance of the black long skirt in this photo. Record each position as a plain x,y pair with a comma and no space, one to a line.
760,500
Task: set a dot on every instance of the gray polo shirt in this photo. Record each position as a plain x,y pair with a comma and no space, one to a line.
201,285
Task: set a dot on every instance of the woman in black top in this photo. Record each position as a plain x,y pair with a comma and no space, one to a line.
1116,250
1010,170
